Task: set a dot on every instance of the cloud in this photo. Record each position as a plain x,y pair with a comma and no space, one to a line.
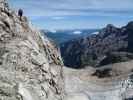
58,18
72,13
73,7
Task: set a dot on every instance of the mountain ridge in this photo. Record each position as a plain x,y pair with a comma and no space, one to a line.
110,44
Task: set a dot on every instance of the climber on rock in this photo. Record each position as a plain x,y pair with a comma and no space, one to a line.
20,13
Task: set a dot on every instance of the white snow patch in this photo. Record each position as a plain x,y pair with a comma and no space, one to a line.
77,32
53,31
95,33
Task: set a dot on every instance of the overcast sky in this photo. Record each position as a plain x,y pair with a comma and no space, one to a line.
71,14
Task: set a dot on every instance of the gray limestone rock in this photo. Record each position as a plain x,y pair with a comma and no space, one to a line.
27,61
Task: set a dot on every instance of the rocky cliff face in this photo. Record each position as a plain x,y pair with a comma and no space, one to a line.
111,45
30,66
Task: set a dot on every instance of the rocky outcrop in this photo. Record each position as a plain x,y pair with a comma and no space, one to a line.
30,66
111,45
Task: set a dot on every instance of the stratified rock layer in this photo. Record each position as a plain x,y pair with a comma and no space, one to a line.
30,66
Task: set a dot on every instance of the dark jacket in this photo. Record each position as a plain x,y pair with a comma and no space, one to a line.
20,12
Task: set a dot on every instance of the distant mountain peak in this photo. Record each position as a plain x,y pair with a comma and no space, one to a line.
130,25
